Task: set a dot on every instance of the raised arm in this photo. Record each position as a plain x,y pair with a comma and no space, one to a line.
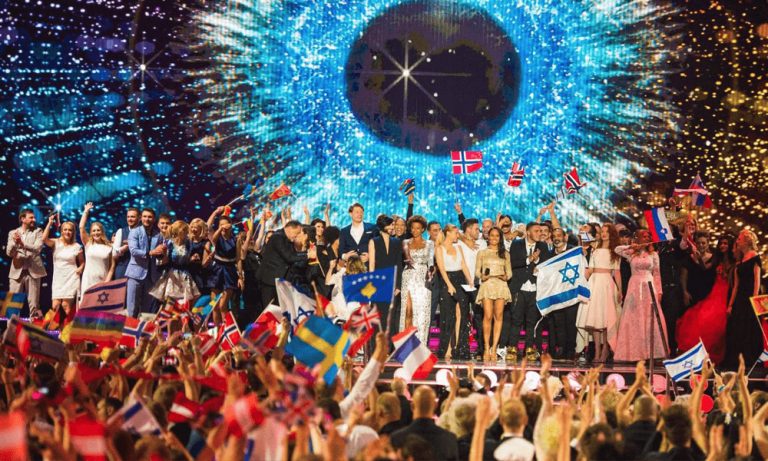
409,212
84,236
307,215
47,231
553,216
327,215
212,219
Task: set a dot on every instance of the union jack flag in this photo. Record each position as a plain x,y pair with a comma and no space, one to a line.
134,329
230,335
364,318
572,181
516,175
466,161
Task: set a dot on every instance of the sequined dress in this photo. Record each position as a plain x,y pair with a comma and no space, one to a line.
413,285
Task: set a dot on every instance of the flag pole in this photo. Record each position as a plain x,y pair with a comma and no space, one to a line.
753,367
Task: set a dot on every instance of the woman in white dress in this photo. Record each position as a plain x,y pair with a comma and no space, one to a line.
598,316
67,266
99,264
416,298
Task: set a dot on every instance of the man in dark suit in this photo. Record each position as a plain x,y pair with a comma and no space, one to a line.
276,257
525,254
355,237
444,445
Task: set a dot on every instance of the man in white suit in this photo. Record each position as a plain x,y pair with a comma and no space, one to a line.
25,244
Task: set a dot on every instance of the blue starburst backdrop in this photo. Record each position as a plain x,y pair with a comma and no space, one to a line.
179,104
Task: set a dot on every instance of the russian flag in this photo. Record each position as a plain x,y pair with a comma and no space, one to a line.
416,358
658,225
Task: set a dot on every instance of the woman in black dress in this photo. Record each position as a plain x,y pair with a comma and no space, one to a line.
384,251
743,332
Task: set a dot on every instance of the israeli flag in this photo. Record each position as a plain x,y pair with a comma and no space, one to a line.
137,419
689,362
560,282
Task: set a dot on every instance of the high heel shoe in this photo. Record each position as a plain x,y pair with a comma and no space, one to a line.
487,354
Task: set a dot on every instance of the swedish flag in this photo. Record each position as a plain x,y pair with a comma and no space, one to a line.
376,286
12,303
319,343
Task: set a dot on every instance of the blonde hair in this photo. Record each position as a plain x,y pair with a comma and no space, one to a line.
179,232
355,265
203,226
68,223
750,237
103,240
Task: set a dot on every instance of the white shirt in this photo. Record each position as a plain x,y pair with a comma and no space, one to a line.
529,249
357,231
514,449
470,254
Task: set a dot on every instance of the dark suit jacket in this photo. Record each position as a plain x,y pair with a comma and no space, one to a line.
347,243
521,270
444,444
276,257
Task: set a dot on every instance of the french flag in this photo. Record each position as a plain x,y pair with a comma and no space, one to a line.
416,358
658,225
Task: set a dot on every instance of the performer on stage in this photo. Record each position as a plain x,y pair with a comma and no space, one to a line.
743,332
387,251
224,277
706,320
415,296
493,269
177,282
25,243
631,340
145,244
598,315
454,304
68,264
355,237
99,263
120,242
563,321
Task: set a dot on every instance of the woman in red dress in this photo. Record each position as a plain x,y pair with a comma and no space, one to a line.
707,318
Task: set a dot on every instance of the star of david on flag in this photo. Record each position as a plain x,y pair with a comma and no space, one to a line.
689,362
561,282
464,162
297,306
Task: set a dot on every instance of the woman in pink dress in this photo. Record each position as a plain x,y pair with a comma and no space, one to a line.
707,318
631,341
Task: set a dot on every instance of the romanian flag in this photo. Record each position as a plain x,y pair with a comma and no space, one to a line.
12,303
320,344
760,305
98,327
280,192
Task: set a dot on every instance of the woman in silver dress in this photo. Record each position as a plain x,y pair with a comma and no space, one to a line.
415,301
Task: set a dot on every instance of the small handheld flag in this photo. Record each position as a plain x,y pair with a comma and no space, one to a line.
408,186
280,192
516,175
12,303
416,358
699,194
572,181
658,225
464,162
106,296
760,304
689,362
319,343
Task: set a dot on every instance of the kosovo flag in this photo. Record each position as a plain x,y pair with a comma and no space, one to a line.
376,286
12,303
319,343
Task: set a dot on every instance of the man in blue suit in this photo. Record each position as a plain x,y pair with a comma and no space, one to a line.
145,243
354,238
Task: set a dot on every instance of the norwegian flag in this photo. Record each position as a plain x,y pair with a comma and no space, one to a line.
364,318
466,161
261,336
516,175
171,309
134,329
230,334
572,181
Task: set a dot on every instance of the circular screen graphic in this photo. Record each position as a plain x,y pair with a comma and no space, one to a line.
432,76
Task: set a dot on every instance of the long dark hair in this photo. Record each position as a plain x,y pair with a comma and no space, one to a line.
727,258
501,250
